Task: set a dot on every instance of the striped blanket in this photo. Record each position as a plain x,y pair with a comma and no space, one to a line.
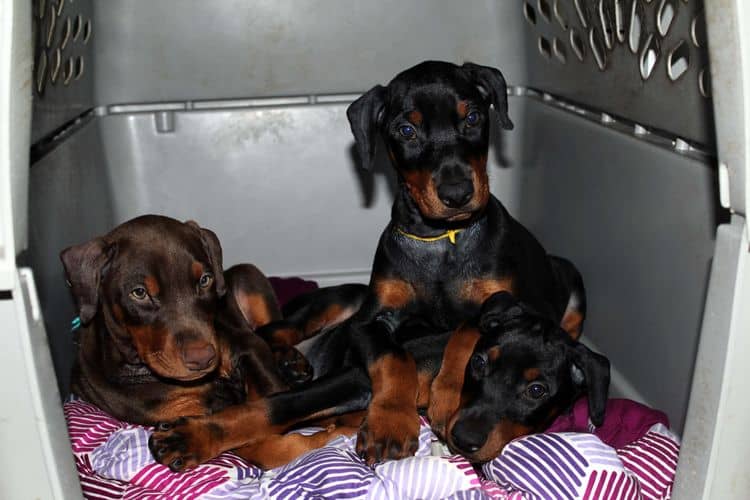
114,462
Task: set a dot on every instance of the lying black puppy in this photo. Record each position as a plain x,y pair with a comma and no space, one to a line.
509,372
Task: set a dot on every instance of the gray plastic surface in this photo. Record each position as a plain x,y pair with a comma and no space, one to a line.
731,127
70,202
639,222
59,100
619,87
702,422
637,219
232,113
285,47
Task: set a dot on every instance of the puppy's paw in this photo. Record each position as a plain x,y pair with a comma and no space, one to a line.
388,433
294,367
185,442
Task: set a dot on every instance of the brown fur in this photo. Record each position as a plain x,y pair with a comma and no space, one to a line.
445,392
392,415
394,293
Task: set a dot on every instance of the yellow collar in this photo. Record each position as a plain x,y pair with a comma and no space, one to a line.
450,234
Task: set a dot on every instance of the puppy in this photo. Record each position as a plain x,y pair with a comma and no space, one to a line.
166,332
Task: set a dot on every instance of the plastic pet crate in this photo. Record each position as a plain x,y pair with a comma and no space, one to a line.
628,157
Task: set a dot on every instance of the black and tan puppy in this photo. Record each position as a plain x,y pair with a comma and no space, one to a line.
167,333
508,372
449,246
517,371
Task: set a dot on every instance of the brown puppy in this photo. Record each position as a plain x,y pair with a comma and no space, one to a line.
166,333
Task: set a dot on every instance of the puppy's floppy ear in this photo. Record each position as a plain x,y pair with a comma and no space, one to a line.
591,370
498,308
213,248
365,116
84,267
491,83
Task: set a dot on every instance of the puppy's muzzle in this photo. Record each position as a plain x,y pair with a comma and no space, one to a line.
456,194
198,357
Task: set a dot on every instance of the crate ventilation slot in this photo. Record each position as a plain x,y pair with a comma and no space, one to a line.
660,40
60,39
529,12
544,47
559,16
544,9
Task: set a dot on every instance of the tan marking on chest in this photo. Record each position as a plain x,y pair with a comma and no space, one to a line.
394,293
478,290
183,402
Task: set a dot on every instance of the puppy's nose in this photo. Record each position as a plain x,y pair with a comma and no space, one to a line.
467,437
198,357
455,194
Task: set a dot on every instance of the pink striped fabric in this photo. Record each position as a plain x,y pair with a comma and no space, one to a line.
114,462
653,459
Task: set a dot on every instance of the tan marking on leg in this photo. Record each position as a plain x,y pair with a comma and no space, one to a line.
445,392
391,428
277,450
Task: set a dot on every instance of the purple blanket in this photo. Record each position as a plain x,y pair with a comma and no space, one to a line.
114,462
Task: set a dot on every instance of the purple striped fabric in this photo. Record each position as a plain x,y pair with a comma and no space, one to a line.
114,462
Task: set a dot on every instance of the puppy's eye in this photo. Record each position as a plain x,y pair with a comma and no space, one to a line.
407,131
206,280
472,118
536,390
139,293
478,364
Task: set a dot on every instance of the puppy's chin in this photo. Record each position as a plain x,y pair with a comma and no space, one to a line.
191,376
460,217
451,215
488,451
